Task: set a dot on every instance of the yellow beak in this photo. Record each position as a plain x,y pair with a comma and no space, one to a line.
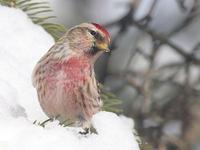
103,46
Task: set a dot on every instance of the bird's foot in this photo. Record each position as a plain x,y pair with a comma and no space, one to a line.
85,132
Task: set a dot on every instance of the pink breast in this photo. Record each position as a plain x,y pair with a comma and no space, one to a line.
69,74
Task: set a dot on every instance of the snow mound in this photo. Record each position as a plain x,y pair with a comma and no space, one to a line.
22,43
113,133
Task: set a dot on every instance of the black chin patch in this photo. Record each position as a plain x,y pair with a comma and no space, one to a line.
94,50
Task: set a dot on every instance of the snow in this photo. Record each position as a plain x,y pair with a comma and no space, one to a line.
22,44
113,133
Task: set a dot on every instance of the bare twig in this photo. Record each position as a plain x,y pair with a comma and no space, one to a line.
127,21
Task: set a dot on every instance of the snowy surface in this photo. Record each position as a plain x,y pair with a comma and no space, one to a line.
21,44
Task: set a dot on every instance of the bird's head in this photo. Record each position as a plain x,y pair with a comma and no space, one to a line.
88,38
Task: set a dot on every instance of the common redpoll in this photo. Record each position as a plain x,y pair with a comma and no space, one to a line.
64,77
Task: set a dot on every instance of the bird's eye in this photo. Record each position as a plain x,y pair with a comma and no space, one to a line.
93,32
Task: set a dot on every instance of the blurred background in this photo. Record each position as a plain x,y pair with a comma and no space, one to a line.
154,66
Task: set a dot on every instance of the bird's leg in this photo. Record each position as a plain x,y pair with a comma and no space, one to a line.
85,125
56,118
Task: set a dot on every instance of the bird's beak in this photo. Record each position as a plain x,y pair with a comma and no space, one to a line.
103,46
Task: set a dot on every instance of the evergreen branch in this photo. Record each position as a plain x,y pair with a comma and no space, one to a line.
34,10
110,101
20,3
9,3
38,8
39,12
26,6
38,20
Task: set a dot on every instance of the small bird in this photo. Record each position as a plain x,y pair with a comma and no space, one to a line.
64,77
